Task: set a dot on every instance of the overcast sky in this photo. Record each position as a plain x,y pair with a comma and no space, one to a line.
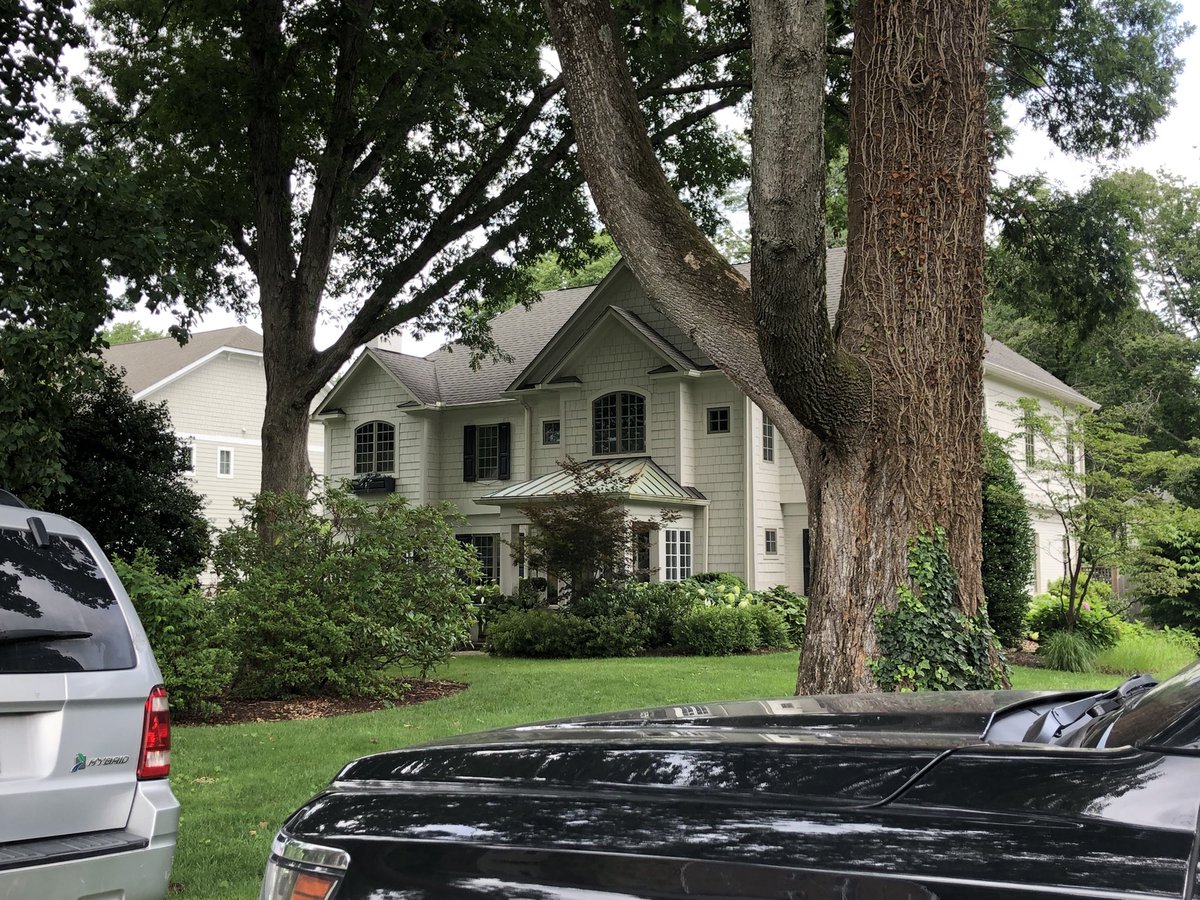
1175,148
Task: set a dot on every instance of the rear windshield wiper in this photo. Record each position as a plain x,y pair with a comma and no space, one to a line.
1063,721
27,635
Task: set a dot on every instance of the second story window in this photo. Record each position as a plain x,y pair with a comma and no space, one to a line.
487,452
619,424
374,448
718,420
551,432
1030,455
768,440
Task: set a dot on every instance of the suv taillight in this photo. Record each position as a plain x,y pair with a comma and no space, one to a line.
155,761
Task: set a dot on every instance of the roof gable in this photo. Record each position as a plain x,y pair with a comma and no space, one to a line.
150,365
632,324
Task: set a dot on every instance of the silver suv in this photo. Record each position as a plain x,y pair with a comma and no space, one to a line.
85,741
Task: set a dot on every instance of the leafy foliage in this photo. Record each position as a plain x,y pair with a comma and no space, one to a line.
126,468
187,631
574,267
542,634
792,607
1008,544
332,600
718,631
1167,580
1067,651
129,333
1093,618
585,536
926,642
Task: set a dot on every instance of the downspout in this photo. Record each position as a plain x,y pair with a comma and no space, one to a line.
748,462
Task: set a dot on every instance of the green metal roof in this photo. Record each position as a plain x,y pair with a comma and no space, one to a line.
650,483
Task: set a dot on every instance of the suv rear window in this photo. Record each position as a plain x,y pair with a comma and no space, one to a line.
57,612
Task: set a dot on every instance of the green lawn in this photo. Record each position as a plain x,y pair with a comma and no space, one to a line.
238,782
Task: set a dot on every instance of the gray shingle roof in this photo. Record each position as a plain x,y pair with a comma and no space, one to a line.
446,375
519,332
1000,358
146,363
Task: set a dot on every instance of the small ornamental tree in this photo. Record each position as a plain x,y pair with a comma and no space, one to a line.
585,535
1099,482
1007,544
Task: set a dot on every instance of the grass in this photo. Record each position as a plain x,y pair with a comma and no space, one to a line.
237,783
1144,651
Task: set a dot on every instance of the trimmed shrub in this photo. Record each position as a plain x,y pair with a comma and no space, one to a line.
660,605
333,600
1007,544
772,629
791,606
717,631
544,634
1100,627
187,633
1067,651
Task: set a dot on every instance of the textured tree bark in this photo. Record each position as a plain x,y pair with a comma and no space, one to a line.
882,413
912,307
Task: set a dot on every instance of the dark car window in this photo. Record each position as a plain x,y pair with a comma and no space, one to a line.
1168,715
50,598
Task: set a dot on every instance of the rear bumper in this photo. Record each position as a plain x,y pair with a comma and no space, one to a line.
133,864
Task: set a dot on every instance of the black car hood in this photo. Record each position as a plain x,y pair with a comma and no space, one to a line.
826,750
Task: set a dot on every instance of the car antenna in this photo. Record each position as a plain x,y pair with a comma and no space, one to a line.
37,527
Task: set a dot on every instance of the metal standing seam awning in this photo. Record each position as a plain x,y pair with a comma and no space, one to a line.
651,485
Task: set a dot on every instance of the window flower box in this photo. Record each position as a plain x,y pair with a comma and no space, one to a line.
373,484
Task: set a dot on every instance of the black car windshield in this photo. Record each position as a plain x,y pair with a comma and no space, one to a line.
1166,716
57,611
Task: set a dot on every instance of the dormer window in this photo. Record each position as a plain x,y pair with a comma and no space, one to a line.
619,424
374,448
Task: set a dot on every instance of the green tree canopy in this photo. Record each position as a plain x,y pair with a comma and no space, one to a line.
127,482
1008,544
129,333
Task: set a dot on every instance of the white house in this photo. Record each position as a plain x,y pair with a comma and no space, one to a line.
597,374
216,392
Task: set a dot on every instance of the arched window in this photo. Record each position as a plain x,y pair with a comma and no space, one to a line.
374,448
619,424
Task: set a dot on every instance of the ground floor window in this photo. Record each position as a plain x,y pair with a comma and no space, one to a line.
678,544
485,549
641,554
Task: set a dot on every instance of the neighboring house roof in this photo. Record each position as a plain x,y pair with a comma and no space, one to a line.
528,337
150,365
1001,359
649,482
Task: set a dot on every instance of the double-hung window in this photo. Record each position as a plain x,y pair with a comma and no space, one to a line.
484,546
374,448
678,546
487,452
619,424
768,440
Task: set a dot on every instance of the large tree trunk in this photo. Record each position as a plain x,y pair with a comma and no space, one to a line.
912,305
883,413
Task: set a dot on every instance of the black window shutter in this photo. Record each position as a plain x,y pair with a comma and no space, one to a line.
468,453
504,459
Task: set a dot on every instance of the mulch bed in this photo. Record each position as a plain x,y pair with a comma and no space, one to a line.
235,712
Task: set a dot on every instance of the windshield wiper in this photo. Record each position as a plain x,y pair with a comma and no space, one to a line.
1064,720
27,635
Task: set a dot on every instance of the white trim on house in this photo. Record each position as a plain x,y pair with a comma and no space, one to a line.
1016,379
239,441
191,367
